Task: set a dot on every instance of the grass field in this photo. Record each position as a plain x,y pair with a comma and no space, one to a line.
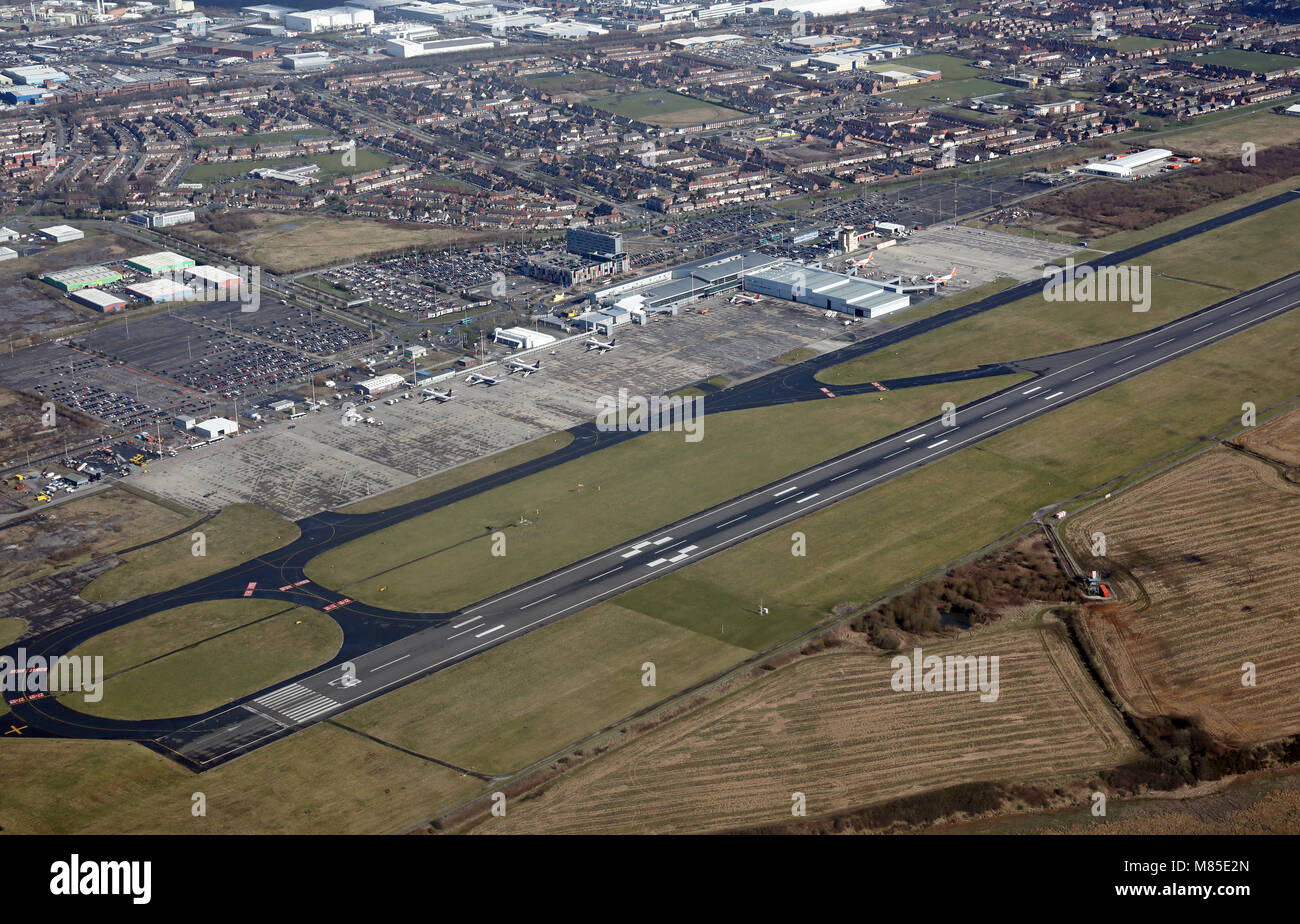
946,90
331,166
663,108
1204,564
517,703
289,243
442,560
236,534
832,728
197,657
323,780
462,474
81,529
1200,271
1257,61
10,628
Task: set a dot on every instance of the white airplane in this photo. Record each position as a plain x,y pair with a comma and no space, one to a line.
430,395
943,280
475,378
518,365
858,264
593,343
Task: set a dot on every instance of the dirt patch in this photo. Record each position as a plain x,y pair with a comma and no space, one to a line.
1279,440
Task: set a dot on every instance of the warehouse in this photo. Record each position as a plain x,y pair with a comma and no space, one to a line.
8,253
403,48
213,279
326,20
152,219
1124,166
307,61
34,75
61,234
380,384
155,264
521,338
100,300
160,290
215,427
820,288
81,277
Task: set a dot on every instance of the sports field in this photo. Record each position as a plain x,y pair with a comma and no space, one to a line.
664,108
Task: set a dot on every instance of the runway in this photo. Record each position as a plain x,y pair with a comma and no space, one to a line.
383,650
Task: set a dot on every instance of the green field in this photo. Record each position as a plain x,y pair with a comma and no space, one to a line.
331,166
663,108
1257,61
235,535
10,628
442,560
517,703
1200,271
946,90
197,657
1130,43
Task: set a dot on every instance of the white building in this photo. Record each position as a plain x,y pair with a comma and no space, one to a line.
334,17
521,338
404,48
380,384
1124,166
160,290
61,234
214,427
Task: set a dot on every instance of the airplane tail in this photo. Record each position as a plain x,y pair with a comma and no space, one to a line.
613,340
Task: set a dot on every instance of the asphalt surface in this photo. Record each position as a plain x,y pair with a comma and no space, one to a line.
384,649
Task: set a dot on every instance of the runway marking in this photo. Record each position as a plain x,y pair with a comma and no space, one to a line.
988,415
636,549
490,631
919,436
389,664
535,602
1032,390
786,491
599,576
467,622
934,445
729,522
663,540
656,563
1163,342
808,498
852,470
1276,297
1239,311
1055,394
1125,359
892,454
632,553
1211,324
1084,376
462,632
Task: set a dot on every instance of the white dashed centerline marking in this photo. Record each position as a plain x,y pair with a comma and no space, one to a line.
892,454
919,436
1124,360
490,631
535,602
1055,394
389,664
467,622
786,491
734,520
1203,326
1032,390
605,574
1163,342
936,445
851,471
991,413
808,498
1084,376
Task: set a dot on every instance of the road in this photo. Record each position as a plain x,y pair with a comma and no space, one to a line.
383,650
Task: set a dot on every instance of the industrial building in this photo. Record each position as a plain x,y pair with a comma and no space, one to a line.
100,300
1123,167
215,427
8,234
404,48
8,253
152,219
570,30
521,338
329,19
34,75
155,264
307,61
61,234
567,269
686,283
213,278
160,290
268,11
820,288
380,384
81,277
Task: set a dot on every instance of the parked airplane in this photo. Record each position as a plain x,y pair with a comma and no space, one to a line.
430,395
475,378
518,365
943,280
593,343
858,264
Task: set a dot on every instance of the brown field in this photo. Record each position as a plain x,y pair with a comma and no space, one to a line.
289,243
80,530
23,435
1279,439
831,727
1204,561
